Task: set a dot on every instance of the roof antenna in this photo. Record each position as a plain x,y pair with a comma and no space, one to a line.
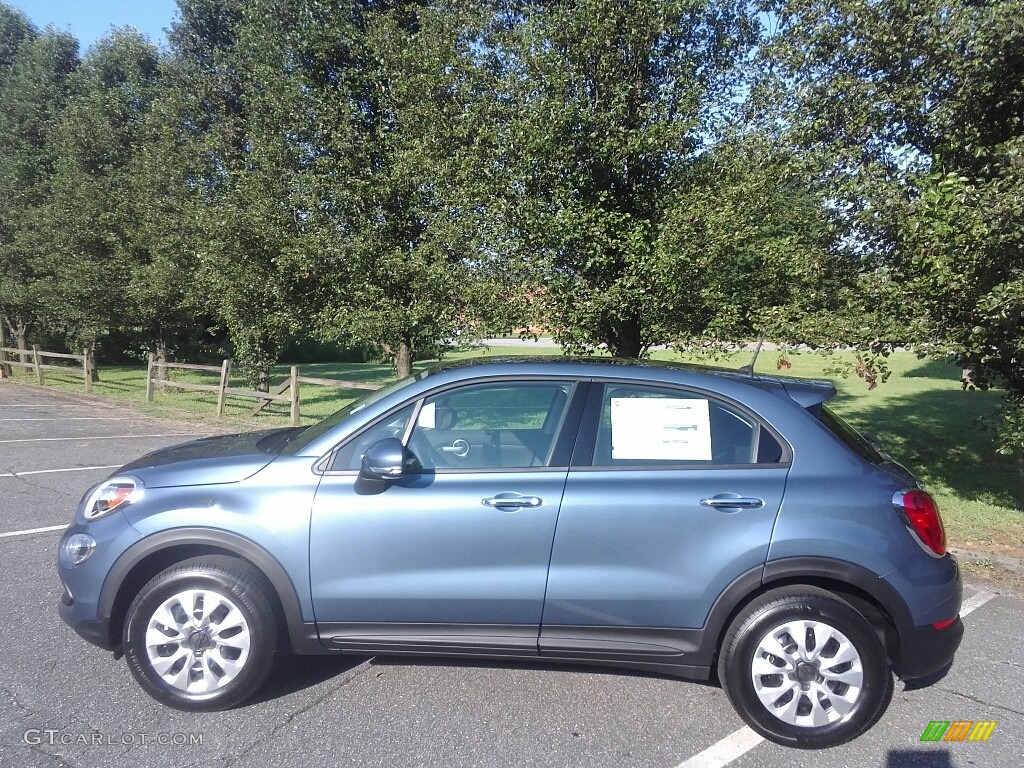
749,367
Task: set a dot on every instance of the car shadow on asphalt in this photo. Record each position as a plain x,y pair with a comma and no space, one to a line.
918,758
296,673
531,666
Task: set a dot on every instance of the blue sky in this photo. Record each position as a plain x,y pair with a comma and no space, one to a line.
89,20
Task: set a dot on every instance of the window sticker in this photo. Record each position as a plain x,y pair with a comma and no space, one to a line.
428,416
666,429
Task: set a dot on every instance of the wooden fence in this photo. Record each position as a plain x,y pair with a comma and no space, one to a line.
38,366
288,392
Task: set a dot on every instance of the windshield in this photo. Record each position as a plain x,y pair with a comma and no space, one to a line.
312,433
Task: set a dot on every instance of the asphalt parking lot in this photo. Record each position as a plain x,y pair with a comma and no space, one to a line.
66,703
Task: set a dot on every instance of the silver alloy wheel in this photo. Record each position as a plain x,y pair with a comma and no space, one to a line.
807,673
197,640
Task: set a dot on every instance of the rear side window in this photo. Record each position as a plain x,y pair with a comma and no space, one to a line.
853,439
651,426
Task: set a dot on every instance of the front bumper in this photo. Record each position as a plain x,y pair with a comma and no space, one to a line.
78,604
96,631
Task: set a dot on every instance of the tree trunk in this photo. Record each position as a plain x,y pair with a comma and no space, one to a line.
401,358
624,338
21,331
263,380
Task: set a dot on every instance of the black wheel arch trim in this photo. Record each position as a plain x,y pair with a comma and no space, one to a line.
849,573
301,634
776,572
728,601
901,647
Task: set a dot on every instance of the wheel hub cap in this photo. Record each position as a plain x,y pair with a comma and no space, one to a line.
807,673
199,640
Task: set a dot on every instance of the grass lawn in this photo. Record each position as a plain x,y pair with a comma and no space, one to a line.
921,415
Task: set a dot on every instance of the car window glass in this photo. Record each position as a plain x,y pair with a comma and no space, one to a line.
350,455
497,425
643,426
853,439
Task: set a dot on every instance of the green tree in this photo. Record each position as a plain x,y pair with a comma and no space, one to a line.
90,219
34,72
747,248
605,111
399,198
230,69
912,112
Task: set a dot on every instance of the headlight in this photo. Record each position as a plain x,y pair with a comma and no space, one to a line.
115,493
78,548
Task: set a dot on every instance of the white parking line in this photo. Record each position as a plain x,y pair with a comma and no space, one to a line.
77,418
95,437
49,471
975,602
32,530
50,405
725,751
739,742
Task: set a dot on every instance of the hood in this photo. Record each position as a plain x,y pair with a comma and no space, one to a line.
211,460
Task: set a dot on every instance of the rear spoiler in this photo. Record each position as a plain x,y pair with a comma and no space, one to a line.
811,392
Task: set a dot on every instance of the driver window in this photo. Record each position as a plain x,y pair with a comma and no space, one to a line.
498,425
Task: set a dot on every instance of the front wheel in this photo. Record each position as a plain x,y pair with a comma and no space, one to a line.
805,669
201,635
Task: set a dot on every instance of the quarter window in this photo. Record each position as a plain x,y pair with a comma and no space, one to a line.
350,455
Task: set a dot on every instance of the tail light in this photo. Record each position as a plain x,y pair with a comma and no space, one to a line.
921,515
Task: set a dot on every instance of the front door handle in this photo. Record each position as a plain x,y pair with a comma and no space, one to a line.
459,447
731,501
511,500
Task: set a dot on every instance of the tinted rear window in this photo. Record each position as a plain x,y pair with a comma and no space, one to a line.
853,439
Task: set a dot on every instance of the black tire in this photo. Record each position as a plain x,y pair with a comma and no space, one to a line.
850,709
215,658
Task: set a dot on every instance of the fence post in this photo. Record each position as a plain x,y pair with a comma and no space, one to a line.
149,378
225,373
4,368
295,395
85,370
39,370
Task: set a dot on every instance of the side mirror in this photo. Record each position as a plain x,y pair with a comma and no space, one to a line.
384,460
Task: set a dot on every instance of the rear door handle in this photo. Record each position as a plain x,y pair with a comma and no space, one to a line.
512,500
731,501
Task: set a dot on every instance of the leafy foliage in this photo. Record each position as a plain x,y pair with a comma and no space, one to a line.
34,72
912,111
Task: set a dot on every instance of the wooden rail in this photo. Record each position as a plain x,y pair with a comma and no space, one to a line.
38,366
292,384
287,392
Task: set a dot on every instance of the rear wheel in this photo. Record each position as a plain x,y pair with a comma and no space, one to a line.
805,669
201,635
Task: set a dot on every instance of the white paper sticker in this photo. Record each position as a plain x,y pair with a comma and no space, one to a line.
660,428
427,418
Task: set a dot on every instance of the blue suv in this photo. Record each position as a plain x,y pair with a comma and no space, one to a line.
681,520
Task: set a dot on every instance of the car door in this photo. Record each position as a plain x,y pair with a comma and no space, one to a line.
672,495
457,549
